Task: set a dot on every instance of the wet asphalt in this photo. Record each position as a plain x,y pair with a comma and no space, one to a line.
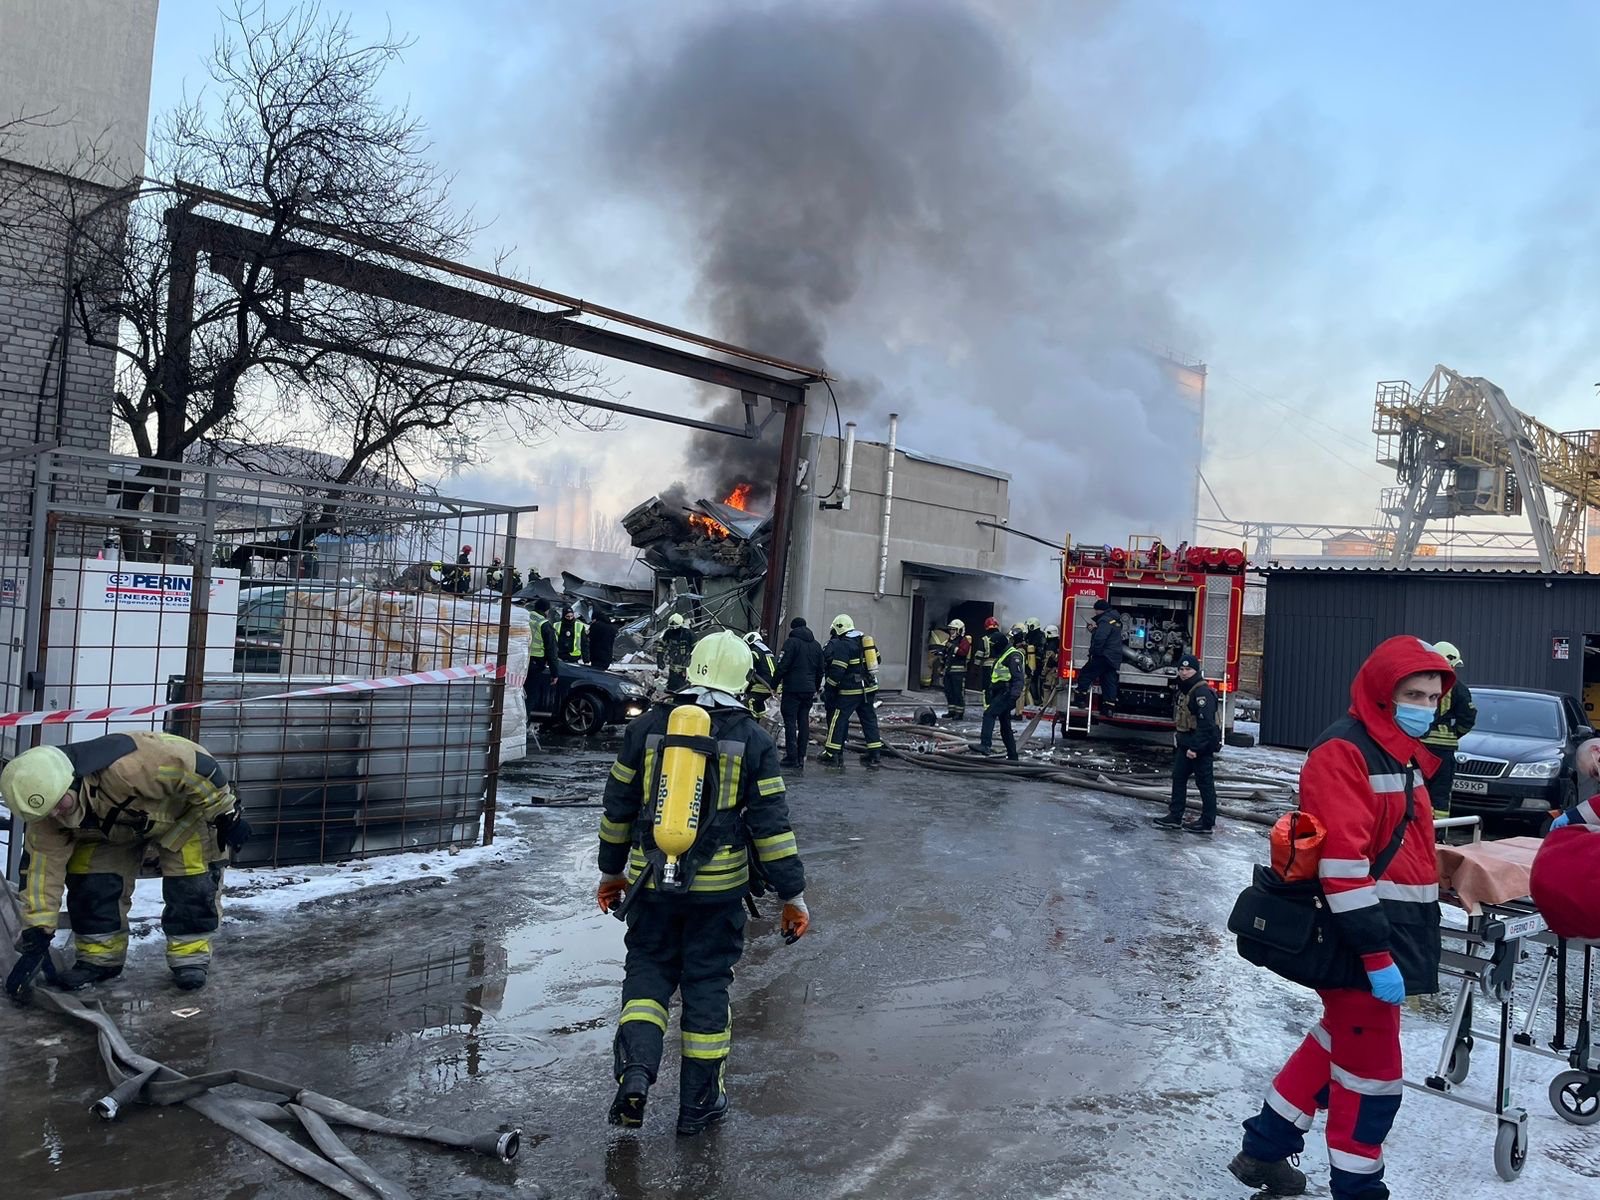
1010,989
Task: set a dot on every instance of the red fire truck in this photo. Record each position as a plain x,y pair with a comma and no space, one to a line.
1173,602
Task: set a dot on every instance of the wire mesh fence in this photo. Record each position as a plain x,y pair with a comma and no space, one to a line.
131,583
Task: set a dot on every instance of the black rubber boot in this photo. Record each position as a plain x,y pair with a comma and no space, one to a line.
627,1109
82,974
701,1118
189,979
1165,822
1273,1178
873,759
831,759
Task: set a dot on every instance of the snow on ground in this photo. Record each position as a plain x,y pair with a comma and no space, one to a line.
252,893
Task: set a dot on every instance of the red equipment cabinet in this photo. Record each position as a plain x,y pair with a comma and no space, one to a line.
1173,602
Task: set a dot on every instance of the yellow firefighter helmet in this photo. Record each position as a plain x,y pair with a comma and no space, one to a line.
34,781
721,662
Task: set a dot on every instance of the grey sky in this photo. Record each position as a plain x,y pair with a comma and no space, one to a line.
1309,199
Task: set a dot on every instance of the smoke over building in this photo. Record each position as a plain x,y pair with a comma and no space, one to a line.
883,189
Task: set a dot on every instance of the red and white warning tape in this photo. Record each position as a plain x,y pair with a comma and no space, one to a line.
68,715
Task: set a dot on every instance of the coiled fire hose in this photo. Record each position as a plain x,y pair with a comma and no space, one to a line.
136,1078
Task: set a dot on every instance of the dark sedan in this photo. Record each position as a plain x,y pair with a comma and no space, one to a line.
587,700
1518,760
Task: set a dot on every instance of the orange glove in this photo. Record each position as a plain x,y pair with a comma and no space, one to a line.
610,891
796,920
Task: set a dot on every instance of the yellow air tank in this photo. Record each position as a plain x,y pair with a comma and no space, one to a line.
869,652
683,779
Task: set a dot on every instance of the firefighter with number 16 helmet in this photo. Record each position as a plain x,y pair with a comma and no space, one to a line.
695,819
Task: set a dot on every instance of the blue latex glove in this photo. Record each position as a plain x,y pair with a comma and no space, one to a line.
1563,819
1388,984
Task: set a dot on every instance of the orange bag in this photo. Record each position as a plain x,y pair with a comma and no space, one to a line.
1297,846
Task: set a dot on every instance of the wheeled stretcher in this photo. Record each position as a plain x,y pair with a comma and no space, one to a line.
1501,935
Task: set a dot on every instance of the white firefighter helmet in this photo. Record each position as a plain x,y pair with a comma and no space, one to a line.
1018,628
1032,623
675,621
842,624
1052,631
720,663
1448,651
34,782
754,638
957,625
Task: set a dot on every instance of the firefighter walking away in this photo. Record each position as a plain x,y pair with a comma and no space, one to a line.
852,690
695,819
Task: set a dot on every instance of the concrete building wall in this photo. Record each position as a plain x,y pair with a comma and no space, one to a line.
81,69
836,555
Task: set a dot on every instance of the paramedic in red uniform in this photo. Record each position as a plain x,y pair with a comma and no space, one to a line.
1364,776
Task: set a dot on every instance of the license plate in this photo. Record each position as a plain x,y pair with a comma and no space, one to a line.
1475,787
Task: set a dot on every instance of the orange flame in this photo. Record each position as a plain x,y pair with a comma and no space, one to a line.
738,498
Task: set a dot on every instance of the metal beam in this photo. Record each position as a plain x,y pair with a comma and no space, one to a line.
285,331
290,260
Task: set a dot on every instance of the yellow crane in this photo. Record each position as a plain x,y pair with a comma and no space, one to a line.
1458,448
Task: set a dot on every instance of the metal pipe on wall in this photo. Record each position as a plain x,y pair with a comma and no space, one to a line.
849,465
888,504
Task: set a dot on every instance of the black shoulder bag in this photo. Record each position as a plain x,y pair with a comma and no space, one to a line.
1289,929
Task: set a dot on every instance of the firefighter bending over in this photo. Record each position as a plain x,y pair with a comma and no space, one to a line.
694,791
852,689
90,809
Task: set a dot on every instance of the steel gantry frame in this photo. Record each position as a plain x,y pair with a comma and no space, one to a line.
754,375
1456,421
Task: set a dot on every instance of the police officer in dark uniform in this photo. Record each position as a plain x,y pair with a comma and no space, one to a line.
686,922
1198,738
544,662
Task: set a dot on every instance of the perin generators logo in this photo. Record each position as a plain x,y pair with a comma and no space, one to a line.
129,590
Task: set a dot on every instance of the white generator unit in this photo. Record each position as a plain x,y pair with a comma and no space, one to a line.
119,631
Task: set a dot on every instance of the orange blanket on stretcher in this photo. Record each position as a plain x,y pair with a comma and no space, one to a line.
1488,872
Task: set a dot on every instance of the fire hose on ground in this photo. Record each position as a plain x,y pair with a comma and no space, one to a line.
1231,785
138,1079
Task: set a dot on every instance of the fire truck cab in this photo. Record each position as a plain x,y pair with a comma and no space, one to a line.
1172,602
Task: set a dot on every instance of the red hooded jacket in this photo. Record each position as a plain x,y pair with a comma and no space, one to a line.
1355,781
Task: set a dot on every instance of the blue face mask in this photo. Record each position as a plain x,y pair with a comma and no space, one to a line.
1415,719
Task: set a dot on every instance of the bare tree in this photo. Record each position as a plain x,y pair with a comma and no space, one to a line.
293,126
607,535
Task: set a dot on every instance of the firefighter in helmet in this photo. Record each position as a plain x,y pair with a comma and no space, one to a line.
988,646
495,580
763,674
695,818
957,652
89,810
852,689
672,652
457,578
1456,717
1035,652
933,673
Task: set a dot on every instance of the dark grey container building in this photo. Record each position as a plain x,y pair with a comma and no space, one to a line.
1514,628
